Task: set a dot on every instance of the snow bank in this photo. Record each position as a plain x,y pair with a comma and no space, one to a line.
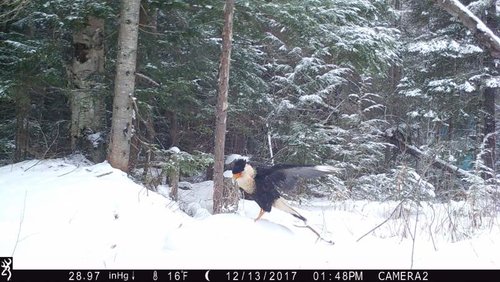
68,213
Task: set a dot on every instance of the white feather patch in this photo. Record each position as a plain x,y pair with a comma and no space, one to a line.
326,168
282,205
246,181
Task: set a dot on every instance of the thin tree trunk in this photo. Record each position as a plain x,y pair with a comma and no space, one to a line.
87,99
173,129
173,177
220,127
22,124
489,157
489,94
121,128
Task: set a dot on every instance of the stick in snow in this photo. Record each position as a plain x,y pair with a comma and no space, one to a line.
387,219
317,233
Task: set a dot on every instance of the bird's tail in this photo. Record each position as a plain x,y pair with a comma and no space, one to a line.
281,204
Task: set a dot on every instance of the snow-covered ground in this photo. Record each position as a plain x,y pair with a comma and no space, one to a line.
68,213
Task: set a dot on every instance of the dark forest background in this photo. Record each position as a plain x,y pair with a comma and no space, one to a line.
396,93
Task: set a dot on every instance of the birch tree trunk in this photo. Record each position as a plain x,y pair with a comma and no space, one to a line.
87,97
220,203
121,125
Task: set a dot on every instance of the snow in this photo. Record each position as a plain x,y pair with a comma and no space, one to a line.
24,47
96,139
493,82
68,213
313,98
285,105
467,87
443,45
412,93
174,150
231,158
430,114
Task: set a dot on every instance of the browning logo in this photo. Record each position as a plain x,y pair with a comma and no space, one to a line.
6,266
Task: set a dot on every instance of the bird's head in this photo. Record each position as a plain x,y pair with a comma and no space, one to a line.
243,175
239,168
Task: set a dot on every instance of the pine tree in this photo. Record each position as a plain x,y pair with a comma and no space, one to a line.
437,104
323,57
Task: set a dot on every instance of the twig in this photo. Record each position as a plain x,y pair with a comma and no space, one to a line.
148,79
430,226
46,151
387,219
66,173
317,233
11,9
38,161
20,223
414,239
104,174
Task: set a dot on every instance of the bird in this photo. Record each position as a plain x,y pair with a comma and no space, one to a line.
263,184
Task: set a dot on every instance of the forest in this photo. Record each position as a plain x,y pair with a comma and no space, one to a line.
400,95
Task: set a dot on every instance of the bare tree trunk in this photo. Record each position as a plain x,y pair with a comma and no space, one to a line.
489,94
121,128
173,129
148,21
173,177
221,114
22,124
87,99
489,132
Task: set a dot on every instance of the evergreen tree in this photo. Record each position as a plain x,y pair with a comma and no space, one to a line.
438,102
323,58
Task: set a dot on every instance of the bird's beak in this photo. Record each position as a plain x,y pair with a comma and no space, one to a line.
236,176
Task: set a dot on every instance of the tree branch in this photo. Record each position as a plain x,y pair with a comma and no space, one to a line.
147,79
481,32
396,139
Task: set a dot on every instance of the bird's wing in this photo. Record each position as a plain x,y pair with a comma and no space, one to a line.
285,177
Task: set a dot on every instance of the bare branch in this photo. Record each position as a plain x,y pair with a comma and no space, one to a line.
20,223
148,79
382,223
11,8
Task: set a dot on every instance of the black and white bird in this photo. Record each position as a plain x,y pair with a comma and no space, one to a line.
263,184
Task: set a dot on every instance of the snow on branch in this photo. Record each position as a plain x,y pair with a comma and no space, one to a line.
484,35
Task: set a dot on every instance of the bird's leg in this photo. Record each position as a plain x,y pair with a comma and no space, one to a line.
261,213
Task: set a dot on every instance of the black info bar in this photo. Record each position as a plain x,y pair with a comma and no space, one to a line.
220,275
